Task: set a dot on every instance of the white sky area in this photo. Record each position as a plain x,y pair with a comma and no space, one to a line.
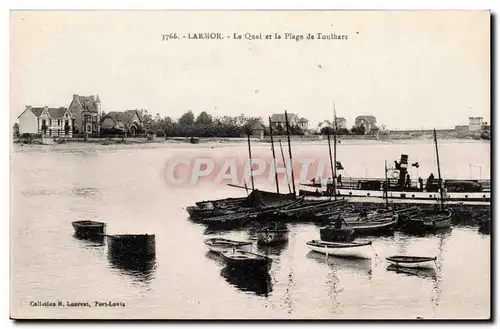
410,70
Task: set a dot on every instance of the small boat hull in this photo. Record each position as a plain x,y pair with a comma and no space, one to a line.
131,246
342,249
218,245
272,236
86,229
412,261
246,261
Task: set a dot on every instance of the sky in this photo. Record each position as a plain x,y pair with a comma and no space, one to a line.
410,70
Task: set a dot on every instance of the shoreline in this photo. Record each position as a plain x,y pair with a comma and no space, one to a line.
311,139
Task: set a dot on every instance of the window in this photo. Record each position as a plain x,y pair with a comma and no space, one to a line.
50,122
58,122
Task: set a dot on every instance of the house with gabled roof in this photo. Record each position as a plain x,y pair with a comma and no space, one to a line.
55,122
87,113
129,122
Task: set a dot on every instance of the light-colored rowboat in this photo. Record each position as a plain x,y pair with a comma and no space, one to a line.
221,244
412,261
343,249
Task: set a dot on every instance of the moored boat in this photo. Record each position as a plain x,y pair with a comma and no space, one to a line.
343,249
132,246
87,229
411,261
221,244
272,235
373,227
424,221
331,234
239,260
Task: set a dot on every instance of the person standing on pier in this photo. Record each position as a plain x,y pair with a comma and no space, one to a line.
420,184
408,181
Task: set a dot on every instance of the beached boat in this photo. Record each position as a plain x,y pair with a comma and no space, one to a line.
272,235
412,261
343,249
246,261
221,244
87,229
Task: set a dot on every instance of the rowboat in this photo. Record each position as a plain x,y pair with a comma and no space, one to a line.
420,221
372,227
411,261
239,260
132,246
343,249
306,209
272,236
221,244
87,229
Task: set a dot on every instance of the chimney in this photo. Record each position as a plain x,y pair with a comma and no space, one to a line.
75,96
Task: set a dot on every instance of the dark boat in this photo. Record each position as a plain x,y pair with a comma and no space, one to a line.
411,261
254,202
87,229
272,235
420,221
238,260
131,246
330,234
307,210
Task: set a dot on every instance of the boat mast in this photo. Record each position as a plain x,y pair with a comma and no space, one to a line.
290,151
439,172
331,161
386,192
334,151
274,157
284,163
250,159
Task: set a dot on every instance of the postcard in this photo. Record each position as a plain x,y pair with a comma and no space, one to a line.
250,165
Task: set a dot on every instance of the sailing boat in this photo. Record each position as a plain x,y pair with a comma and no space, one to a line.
422,221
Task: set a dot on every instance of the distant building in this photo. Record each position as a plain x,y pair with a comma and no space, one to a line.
303,123
341,123
462,129
46,121
278,120
129,122
475,123
368,121
86,111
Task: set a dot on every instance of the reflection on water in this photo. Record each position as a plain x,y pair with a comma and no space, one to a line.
421,272
258,282
91,241
272,249
140,270
215,257
360,265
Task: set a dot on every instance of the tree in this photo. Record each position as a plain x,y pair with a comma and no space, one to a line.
187,119
15,130
204,118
